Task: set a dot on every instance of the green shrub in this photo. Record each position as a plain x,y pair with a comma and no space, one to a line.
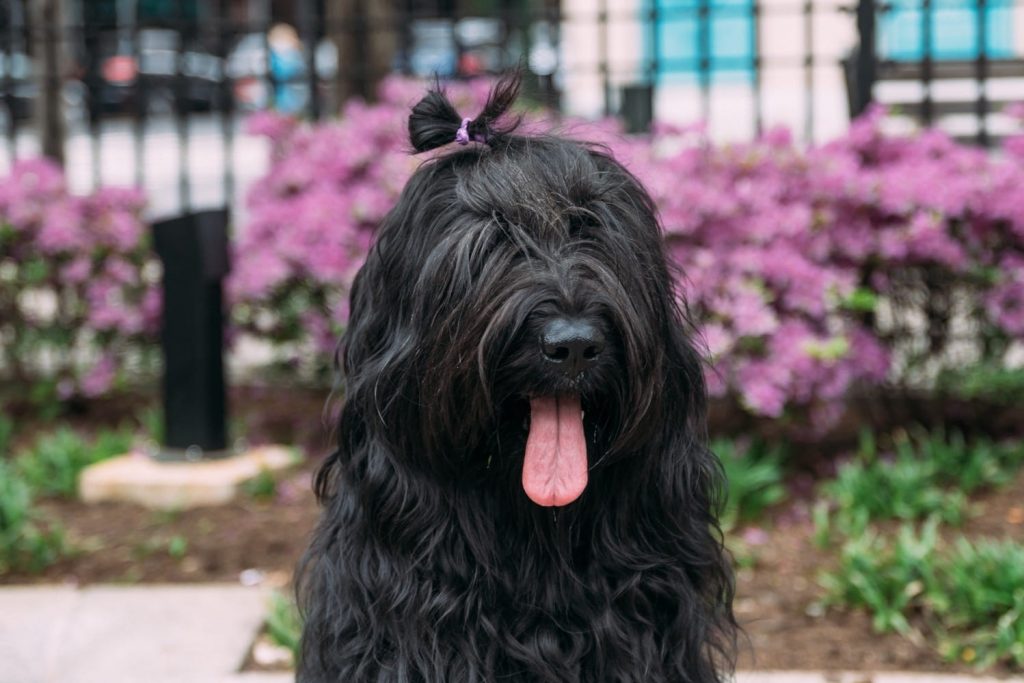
992,382
884,577
261,487
25,543
6,433
754,480
284,624
969,597
151,420
969,466
929,474
979,599
155,545
52,466
905,488
177,546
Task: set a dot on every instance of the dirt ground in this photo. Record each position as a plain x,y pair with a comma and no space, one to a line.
776,599
775,603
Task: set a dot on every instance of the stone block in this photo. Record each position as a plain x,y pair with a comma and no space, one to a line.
137,478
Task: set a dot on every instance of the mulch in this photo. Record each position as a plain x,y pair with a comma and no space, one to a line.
776,603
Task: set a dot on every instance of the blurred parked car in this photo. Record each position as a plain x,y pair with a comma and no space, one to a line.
479,40
154,73
433,50
19,90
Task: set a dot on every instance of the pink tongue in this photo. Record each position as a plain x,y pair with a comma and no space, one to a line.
555,466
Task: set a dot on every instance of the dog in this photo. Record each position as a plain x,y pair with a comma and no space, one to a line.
521,489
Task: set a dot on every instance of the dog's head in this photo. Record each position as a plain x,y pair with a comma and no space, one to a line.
517,314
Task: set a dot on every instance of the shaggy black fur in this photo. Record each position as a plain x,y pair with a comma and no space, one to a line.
430,564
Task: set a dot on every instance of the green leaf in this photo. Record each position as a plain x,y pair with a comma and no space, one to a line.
35,271
861,300
830,349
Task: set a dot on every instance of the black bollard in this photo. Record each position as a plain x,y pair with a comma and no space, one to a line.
193,249
637,110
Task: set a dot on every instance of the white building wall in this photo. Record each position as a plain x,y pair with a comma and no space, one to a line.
584,39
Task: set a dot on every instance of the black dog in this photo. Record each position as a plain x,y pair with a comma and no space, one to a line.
521,489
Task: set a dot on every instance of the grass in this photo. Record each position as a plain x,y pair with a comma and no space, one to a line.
6,433
151,420
981,602
52,465
175,546
755,480
927,474
27,543
992,382
262,487
884,576
967,596
284,624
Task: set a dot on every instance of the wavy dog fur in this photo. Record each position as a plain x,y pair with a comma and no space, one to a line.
430,563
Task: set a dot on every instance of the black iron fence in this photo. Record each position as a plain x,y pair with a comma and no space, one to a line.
153,92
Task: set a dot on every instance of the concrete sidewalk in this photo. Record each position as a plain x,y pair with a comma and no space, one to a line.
129,634
193,634
861,677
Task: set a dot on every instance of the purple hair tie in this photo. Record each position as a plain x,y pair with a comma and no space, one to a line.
462,137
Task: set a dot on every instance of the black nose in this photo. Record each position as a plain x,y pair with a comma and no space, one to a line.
573,344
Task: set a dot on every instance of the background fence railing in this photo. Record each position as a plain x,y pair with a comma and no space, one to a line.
153,93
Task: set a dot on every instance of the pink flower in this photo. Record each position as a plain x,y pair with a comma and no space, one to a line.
94,246
755,536
716,381
100,377
61,230
716,338
151,308
927,239
785,250
256,274
270,124
1005,302
77,271
121,272
762,386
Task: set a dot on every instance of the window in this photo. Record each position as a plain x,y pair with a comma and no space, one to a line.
954,30
724,36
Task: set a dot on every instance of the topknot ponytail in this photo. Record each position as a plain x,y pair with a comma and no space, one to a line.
434,122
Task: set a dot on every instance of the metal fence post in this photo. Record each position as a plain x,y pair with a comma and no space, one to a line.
866,60
49,113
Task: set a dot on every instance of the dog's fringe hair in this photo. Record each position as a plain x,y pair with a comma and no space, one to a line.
429,563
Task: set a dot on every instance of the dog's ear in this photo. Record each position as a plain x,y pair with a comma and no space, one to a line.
375,354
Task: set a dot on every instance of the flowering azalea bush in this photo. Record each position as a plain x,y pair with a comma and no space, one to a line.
857,262
811,270
808,271
314,215
78,294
